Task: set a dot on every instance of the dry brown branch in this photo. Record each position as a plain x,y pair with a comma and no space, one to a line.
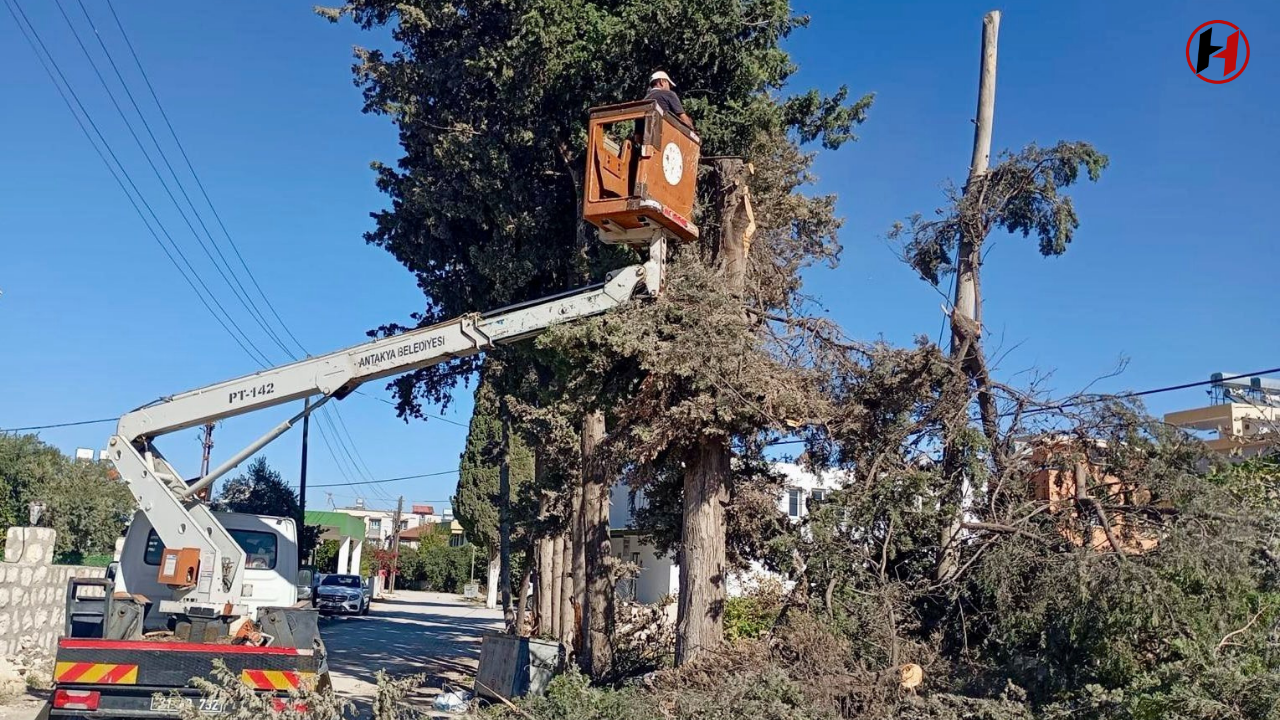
1226,638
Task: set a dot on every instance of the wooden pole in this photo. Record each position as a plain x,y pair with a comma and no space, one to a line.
966,315
395,543
966,299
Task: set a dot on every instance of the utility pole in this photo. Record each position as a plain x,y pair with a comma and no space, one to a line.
302,473
208,448
395,543
966,300
207,445
966,315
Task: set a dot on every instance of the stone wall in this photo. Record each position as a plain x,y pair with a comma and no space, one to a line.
33,593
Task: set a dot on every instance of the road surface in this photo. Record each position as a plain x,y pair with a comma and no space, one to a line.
412,633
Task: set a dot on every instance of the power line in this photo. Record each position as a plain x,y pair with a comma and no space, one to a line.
351,452
237,288
441,418
37,45
199,184
333,455
347,444
164,184
194,277
58,425
1100,398
1153,391
390,480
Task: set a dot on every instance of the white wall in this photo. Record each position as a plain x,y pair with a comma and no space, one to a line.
797,478
659,575
620,506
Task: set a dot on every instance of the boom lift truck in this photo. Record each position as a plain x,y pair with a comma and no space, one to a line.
639,192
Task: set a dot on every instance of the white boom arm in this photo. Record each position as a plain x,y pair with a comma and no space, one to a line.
182,521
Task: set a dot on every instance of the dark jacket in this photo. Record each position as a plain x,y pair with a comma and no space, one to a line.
667,100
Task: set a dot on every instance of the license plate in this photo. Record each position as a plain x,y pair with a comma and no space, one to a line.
175,705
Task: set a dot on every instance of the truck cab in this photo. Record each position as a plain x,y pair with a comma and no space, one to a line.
271,562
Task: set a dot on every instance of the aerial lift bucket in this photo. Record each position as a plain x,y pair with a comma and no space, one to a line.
642,173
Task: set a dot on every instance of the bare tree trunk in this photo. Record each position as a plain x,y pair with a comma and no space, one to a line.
700,610
495,566
522,596
504,522
700,607
567,627
580,566
966,315
544,592
598,620
557,585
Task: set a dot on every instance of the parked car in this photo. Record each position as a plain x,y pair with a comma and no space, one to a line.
344,594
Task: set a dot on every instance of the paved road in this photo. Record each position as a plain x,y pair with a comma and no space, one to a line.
412,633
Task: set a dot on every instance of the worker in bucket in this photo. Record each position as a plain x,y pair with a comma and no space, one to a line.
660,90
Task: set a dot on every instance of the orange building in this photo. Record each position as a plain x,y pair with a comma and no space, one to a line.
1070,473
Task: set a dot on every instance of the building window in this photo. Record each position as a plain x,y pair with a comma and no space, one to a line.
375,526
404,524
793,502
815,498
457,540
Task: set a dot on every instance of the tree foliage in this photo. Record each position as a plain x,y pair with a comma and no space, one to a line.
259,490
1021,194
491,100
476,504
85,502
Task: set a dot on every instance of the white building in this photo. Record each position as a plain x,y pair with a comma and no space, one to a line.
378,524
660,576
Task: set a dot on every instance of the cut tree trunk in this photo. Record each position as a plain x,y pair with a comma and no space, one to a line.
598,620
700,611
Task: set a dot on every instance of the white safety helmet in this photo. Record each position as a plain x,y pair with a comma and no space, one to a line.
661,76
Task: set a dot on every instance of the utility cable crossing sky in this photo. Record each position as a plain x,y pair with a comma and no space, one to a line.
331,425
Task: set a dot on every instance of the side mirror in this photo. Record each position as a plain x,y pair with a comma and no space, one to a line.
306,577
112,569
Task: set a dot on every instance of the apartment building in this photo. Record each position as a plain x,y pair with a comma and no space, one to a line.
1242,418
379,524
659,574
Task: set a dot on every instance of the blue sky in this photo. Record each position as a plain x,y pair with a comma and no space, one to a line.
1172,267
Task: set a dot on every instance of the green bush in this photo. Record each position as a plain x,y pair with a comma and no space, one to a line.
440,567
765,694
78,558
750,616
